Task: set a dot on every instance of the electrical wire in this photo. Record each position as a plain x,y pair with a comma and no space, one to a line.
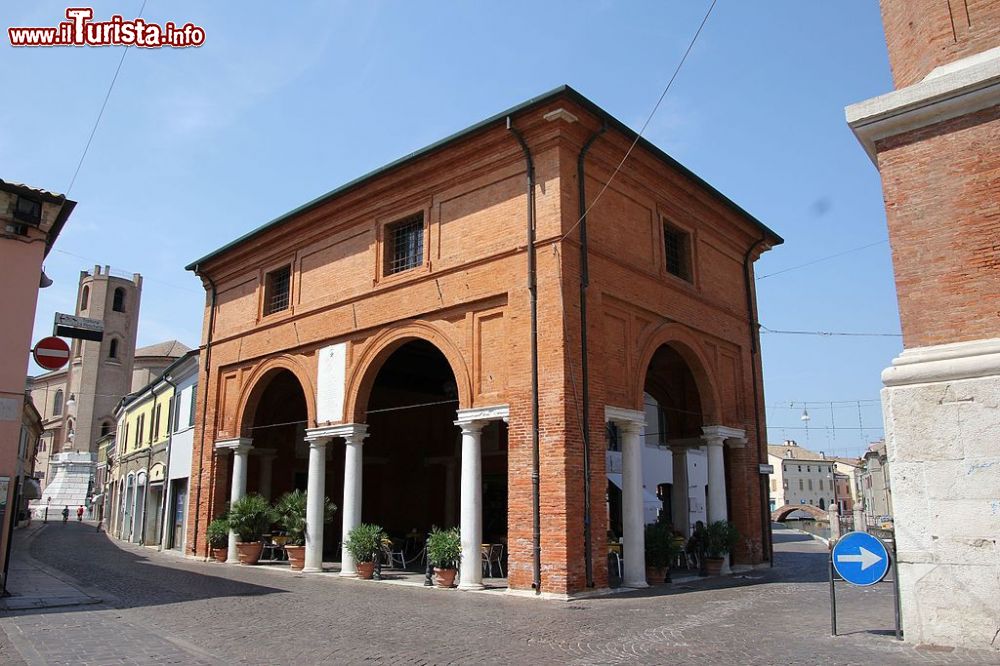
821,259
645,124
104,105
765,329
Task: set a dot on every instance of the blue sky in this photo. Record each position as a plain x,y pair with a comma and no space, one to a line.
198,146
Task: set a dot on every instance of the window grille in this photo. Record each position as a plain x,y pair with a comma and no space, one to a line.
405,245
276,290
677,246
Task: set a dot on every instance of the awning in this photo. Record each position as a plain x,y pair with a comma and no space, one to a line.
31,489
647,497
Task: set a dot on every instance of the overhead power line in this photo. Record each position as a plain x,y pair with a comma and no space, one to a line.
765,329
100,113
821,259
648,119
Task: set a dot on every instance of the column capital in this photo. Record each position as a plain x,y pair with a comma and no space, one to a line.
483,414
624,418
717,435
236,445
353,433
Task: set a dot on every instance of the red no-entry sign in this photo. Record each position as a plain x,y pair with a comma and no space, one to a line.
51,353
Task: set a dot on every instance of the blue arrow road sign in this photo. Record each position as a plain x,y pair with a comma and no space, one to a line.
860,558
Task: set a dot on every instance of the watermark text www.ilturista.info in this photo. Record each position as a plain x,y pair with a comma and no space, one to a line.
81,30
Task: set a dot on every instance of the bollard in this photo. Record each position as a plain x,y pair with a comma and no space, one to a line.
834,516
45,519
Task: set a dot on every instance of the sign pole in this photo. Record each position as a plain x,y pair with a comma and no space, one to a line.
895,593
833,602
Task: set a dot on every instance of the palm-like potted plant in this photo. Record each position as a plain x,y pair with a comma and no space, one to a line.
250,516
218,538
290,511
661,551
720,539
365,542
444,550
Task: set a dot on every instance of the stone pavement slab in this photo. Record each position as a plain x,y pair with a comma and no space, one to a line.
32,585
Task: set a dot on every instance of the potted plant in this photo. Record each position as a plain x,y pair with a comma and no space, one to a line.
291,514
364,543
250,516
218,538
444,550
720,539
661,551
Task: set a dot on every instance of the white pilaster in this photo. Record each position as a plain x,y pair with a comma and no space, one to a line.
679,492
315,496
471,516
266,460
240,448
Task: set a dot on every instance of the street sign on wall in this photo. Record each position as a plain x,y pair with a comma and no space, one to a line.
860,559
78,328
51,353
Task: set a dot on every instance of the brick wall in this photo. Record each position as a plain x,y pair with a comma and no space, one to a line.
940,185
923,34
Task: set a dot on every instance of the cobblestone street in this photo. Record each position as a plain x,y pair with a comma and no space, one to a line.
160,608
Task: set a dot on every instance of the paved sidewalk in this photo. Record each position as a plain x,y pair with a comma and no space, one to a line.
32,585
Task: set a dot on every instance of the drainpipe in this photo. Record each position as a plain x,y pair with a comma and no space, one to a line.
765,522
588,557
536,530
166,478
204,409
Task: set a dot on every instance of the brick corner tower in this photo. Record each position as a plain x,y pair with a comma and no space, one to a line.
935,140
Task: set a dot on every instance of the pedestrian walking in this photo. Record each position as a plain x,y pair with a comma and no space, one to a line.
65,513
79,514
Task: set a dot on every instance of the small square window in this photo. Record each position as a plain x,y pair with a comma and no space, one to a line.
276,290
28,210
677,246
404,244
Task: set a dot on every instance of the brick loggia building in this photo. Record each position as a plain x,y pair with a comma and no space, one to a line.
936,143
411,345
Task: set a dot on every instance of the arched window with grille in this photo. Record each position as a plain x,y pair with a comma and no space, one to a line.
119,300
57,404
85,298
113,348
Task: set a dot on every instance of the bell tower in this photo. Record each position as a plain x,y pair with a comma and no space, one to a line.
100,373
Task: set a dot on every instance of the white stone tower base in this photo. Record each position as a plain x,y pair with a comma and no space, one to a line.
71,475
942,416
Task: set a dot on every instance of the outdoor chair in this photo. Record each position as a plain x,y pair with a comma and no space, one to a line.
492,554
615,556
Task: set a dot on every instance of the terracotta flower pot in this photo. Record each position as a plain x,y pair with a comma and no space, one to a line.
249,553
220,554
365,570
656,575
296,557
713,565
445,577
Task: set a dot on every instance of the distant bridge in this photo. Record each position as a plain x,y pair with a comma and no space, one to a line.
779,515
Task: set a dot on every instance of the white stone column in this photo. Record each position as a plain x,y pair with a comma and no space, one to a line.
266,460
716,437
679,508
241,449
633,525
315,496
354,436
471,514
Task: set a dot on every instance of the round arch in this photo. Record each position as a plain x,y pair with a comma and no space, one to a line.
258,381
779,515
686,344
370,361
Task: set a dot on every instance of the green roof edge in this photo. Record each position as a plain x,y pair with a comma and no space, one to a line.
437,145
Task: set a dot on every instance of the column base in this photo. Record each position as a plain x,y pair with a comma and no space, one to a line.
635,585
348,574
471,586
311,570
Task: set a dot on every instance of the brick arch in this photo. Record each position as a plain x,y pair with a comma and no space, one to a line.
367,365
682,340
258,381
779,515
